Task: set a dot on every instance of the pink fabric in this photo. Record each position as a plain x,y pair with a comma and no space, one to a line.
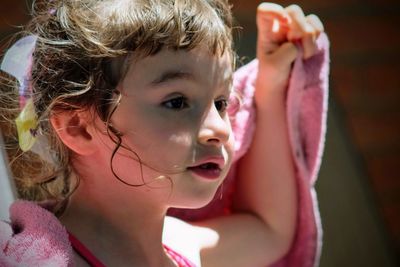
178,258
33,238
307,100
36,238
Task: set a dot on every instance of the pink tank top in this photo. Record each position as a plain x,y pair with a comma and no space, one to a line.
94,262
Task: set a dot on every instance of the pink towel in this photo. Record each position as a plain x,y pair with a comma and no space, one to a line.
36,238
307,100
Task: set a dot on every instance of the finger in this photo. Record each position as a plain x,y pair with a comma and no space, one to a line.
298,23
287,52
283,56
302,29
274,10
309,40
316,23
309,44
272,21
276,67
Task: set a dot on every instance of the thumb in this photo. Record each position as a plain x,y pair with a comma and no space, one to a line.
283,56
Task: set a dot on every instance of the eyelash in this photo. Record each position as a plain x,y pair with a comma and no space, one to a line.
177,103
181,102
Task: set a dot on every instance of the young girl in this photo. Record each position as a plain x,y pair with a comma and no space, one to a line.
124,109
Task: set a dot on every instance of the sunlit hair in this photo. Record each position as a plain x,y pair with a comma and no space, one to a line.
82,53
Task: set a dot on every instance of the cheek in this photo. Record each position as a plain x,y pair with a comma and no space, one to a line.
152,156
163,141
182,140
230,148
163,150
230,144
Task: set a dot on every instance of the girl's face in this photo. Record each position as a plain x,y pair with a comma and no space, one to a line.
173,116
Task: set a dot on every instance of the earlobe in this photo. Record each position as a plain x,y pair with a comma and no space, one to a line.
75,130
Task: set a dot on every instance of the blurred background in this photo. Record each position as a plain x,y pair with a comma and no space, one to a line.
359,182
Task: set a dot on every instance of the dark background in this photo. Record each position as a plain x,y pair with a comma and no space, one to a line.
359,183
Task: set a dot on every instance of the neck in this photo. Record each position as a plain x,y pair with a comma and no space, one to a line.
115,231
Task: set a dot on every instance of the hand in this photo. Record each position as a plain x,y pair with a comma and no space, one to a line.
279,30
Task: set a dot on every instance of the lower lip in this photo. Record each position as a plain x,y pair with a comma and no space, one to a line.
210,174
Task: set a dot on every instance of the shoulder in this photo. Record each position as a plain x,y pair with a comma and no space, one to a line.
187,239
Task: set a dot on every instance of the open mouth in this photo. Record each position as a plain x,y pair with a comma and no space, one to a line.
207,170
209,165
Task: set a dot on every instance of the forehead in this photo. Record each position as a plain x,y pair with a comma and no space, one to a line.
199,62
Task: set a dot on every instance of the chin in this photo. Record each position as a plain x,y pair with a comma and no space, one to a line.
196,200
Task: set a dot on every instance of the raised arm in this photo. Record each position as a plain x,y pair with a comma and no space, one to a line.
262,227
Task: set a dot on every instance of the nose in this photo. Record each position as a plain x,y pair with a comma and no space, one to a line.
215,130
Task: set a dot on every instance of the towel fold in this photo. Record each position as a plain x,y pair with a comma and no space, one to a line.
34,237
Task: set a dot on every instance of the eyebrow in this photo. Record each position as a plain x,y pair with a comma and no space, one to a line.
171,75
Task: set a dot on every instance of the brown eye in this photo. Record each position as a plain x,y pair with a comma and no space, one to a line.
221,105
176,103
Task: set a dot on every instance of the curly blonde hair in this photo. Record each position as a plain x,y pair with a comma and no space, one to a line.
82,53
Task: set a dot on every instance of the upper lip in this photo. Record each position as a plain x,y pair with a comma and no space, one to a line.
218,160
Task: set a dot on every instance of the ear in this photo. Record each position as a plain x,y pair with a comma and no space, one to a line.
76,130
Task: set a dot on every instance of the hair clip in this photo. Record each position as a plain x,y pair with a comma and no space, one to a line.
18,63
27,126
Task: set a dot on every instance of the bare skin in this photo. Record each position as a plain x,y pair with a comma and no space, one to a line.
263,224
175,118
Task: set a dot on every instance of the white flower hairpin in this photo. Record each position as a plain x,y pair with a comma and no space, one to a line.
18,63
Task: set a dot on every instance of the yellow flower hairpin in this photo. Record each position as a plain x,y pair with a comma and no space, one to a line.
18,63
27,126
